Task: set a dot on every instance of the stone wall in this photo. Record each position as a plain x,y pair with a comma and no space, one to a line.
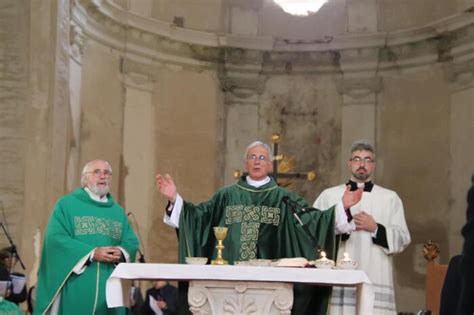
13,100
152,97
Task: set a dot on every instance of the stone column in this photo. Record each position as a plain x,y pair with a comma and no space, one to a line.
359,88
460,74
47,121
243,19
360,83
102,105
77,40
362,16
242,89
137,174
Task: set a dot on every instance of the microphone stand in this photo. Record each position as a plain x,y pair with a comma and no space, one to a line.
13,247
141,259
293,206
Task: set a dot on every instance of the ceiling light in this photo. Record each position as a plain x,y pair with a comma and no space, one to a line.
300,7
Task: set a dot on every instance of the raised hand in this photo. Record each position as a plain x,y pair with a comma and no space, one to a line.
350,198
165,185
365,222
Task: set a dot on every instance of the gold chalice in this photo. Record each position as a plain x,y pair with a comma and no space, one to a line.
220,233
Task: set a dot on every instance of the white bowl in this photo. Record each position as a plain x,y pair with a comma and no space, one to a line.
348,265
196,260
324,264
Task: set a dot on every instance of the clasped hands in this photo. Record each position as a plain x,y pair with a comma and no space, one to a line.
108,254
362,220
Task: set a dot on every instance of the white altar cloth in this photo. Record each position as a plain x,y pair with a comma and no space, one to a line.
119,282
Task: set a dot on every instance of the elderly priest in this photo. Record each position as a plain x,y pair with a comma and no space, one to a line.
87,235
261,221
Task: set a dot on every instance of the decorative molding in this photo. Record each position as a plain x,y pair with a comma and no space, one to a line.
360,90
142,38
460,75
77,41
240,298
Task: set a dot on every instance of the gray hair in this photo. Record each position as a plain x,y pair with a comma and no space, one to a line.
362,145
87,168
258,144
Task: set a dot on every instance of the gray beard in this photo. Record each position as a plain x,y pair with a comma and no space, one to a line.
99,191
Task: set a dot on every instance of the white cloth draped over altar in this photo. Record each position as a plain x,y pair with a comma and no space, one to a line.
207,283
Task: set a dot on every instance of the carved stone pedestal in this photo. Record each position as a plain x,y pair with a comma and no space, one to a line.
230,297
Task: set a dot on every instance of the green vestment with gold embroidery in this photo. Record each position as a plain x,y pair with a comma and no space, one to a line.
77,225
260,225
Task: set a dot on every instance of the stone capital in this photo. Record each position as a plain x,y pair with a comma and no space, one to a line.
460,75
77,40
360,89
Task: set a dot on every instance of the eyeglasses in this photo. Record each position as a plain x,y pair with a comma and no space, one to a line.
253,157
358,159
97,172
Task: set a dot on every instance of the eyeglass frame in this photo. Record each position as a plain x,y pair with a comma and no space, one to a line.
98,172
261,158
358,159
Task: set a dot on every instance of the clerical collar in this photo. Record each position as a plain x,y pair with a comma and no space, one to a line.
257,183
95,196
354,185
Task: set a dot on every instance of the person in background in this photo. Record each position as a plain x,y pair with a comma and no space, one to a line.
161,299
18,292
466,297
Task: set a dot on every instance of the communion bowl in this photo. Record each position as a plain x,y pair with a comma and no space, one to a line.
196,260
347,264
324,263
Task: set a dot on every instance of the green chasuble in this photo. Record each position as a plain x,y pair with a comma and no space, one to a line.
77,225
259,225
9,308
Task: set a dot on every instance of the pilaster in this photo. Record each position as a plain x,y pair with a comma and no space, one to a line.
359,87
138,150
460,75
242,83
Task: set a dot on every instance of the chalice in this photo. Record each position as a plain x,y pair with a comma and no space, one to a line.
220,233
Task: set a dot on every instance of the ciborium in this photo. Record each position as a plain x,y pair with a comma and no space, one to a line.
220,233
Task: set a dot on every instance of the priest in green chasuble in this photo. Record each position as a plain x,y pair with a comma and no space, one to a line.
260,223
87,235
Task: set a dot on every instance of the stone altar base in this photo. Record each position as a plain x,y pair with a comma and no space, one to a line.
241,297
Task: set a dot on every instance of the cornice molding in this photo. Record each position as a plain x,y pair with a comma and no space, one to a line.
440,41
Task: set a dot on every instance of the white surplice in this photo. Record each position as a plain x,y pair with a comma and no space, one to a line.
387,209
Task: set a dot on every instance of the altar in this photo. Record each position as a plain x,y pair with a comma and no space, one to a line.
238,289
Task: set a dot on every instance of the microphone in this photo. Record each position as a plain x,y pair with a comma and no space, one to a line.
292,204
142,256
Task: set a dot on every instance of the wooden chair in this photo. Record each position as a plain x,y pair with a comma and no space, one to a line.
435,274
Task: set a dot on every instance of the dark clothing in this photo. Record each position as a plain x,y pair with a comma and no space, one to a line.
12,297
451,288
168,293
466,297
